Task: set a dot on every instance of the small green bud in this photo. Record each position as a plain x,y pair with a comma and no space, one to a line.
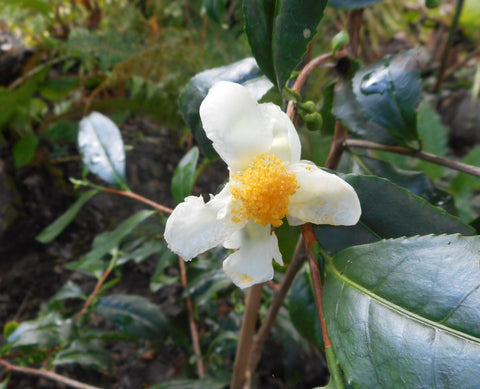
308,106
339,40
290,95
313,121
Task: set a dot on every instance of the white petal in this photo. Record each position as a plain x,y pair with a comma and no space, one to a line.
322,198
286,143
252,263
236,124
195,227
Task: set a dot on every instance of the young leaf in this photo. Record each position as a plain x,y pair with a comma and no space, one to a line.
101,146
91,263
245,72
24,150
388,91
406,312
183,177
134,315
56,228
279,32
388,211
85,353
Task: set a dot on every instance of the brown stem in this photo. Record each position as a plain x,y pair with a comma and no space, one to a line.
94,293
302,78
354,24
191,320
339,137
316,280
139,198
460,166
278,297
46,374
246,334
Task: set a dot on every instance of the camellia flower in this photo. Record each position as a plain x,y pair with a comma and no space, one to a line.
268,182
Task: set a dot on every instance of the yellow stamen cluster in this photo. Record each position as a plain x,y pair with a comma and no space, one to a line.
262,191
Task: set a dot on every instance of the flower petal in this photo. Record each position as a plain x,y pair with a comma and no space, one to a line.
322,198
252,263
286,143
236,124
195,227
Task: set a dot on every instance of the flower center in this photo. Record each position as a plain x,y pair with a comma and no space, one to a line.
262,191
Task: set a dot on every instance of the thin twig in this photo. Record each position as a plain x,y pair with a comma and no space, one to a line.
339,137
460,166
139,198
246,335
191,320
46,374
302,78
448,45
277,301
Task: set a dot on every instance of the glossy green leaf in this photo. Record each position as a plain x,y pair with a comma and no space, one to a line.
406,312
349,111
416,182
279,32
56,228
101,146
183,177
245,72
134,315
303,309
351,4
68,291
388,211
87,354
91,263
388,91
24,150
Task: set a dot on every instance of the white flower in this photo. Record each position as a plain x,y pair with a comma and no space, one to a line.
268,181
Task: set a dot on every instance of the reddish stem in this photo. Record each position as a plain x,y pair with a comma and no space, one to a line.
139,198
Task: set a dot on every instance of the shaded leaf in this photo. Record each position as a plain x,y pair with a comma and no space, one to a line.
303,309
88,354
134,315
24,150
406,312
68,291
91,263
101,146
279,32
56,228
159,279
388,211
388,91
183,177
245,72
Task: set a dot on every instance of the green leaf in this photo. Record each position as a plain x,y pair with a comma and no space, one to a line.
303,309
159,279
24,150
434,136
339,40
134,315
56,228
406,312
351,4
45,331
40,6
9,328
87,354
388,91
388,211
91,263
349,111
279,32
417,183
245,72
68,291
183,177
59,88
101,146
